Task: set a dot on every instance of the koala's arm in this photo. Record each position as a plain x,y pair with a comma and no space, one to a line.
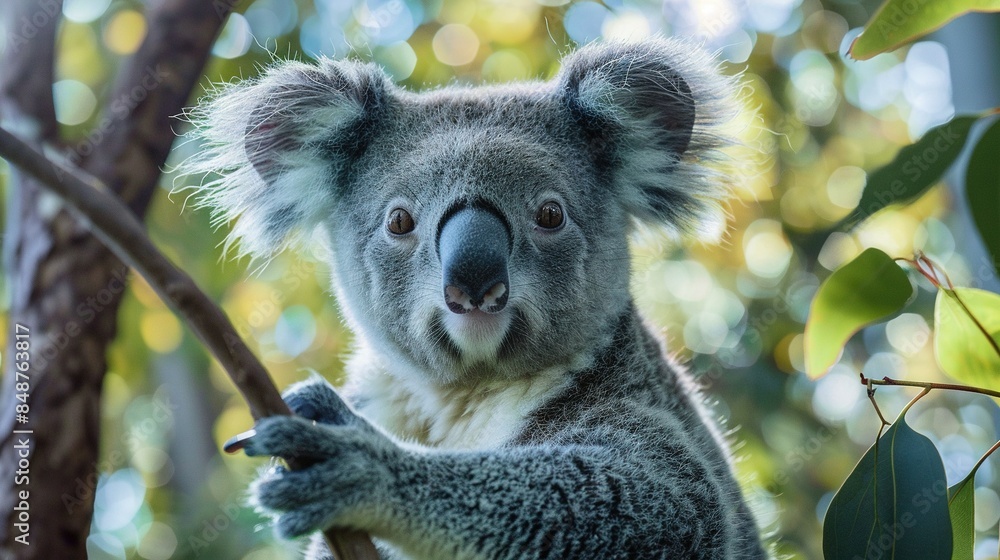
540,501
550,502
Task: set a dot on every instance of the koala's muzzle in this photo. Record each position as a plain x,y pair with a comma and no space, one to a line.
474,244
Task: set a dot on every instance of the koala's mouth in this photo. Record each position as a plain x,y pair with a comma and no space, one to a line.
477,335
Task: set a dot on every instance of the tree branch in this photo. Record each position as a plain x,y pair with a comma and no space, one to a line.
929,385
121,231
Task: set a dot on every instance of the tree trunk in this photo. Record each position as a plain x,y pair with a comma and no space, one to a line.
66,286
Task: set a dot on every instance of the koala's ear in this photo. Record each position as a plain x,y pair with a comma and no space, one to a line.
276,149
649,112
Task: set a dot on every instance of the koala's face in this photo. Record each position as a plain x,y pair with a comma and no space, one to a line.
477,248
474,232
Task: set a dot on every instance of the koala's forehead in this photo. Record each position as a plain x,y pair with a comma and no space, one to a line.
482,136
482,155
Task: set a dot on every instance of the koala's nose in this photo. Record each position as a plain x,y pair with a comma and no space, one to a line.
474,244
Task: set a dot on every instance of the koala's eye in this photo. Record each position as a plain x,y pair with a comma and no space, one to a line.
400,222
550,215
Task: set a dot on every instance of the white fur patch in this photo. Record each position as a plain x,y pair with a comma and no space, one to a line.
485,415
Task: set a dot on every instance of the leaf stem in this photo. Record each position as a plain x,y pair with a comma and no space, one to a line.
971,478
926,267
929,385
917,264
935,269
912,402
985,456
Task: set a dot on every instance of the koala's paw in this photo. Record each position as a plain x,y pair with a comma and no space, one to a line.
316,400
346,483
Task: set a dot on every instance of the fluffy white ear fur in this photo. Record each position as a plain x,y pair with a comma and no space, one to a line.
273,149
654,112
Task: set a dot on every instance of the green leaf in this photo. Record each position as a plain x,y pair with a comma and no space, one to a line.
865,290
915,169
982,188
962,508
893,505
898,22
963,351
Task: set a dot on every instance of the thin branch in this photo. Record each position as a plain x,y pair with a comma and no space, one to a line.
122,232
118,228
929,385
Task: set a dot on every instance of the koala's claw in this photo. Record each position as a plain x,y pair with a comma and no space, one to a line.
316,400
291,437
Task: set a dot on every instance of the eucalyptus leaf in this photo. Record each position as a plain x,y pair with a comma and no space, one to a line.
915,169
867,289
962,509
893,505
963,351
898,22
982,188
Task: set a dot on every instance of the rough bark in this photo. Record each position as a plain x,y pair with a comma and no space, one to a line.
66,286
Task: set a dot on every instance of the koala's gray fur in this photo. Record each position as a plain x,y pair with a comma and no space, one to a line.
559,429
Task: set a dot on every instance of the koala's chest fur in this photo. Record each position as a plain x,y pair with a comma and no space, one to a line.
477,416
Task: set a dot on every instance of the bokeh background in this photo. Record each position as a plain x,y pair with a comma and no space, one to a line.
815,123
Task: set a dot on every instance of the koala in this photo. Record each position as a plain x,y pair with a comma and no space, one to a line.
505,399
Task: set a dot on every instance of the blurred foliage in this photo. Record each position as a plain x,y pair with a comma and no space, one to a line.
898,22
815,123
982,190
